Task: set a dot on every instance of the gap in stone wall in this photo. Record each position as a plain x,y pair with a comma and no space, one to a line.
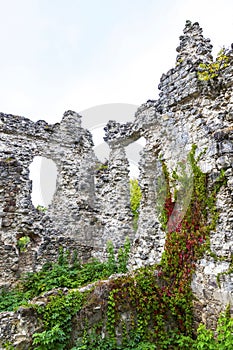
43,173
102,151
133,155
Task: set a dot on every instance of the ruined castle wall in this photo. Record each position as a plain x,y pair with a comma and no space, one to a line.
188,112
73,219
91,207
21,141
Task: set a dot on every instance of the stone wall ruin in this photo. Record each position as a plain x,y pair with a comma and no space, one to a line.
74,219
91,206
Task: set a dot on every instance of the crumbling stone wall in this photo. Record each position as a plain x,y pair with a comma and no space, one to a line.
189,111
91,207
73,219
112,192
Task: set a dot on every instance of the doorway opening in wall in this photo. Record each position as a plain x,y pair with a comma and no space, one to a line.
43,173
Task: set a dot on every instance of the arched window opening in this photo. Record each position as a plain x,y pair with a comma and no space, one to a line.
43,173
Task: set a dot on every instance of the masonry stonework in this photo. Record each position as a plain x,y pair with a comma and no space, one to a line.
91,204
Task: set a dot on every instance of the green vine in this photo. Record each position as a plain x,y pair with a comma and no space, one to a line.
57,320
157,300
111,315
221,339
165,297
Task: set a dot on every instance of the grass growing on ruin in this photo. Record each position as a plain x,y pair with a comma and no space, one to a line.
68,272
159,298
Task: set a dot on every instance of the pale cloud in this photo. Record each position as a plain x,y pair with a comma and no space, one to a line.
76,54
59,55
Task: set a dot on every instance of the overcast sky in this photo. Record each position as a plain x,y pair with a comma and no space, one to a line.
75,54
57,55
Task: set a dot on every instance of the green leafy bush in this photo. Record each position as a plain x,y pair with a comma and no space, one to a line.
22,243
222,340
135,199
57,321
57,314
74,275
11,299
66,273
8,346
209,71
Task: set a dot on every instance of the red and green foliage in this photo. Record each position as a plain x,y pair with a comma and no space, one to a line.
161,296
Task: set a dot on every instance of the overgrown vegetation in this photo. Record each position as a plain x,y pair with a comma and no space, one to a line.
212,70
135,199
22,243
57,314
187,239
11,299
162,300
67,272
57,321
157,299
221,339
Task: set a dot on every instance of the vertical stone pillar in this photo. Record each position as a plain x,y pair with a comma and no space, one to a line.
73,206
150,238
10,172
116,216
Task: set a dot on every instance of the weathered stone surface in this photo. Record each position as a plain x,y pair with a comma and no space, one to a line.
75,219
16,328
91,204
189,111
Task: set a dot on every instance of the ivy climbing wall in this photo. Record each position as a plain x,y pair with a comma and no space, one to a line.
186,180
190,111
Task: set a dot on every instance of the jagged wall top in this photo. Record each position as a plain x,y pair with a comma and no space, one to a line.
193,46
68,131
88,208
182,82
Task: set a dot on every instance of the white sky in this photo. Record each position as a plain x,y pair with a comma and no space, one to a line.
74,54
57,55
